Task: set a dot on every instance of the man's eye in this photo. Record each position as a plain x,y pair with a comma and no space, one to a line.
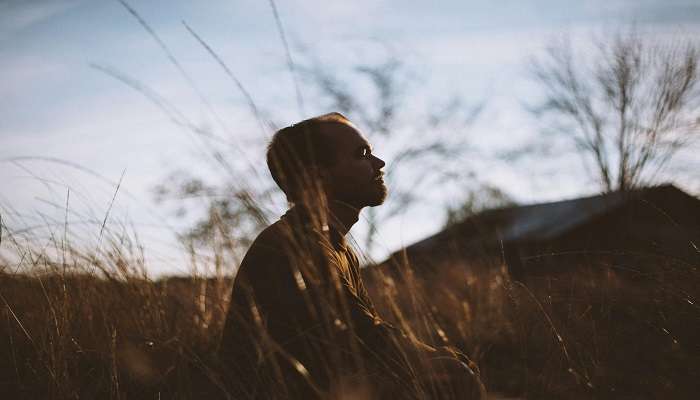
365,152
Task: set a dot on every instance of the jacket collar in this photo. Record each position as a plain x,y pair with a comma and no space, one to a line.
300,214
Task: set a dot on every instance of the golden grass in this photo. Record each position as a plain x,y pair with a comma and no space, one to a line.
82,326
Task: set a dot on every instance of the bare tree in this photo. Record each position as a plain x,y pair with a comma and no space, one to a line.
629,107
485,196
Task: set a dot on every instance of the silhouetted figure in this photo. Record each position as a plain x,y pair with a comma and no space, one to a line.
300,323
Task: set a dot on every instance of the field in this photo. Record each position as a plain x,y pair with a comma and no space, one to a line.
98,327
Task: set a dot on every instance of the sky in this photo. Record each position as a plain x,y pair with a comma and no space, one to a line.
70,132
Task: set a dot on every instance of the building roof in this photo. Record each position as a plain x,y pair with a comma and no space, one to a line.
547,221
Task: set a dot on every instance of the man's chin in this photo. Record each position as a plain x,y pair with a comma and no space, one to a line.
379,199
372,198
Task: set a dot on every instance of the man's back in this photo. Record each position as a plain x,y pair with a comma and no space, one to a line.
300,314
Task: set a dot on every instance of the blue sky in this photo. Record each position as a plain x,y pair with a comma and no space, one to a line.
54,104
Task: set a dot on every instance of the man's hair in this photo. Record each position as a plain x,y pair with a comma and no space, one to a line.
297,147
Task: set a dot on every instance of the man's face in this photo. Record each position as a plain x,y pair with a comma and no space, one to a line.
355,178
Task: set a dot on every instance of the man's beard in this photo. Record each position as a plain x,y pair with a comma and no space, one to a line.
379,196
371,195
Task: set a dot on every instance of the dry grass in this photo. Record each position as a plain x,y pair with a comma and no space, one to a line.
96,326
595,328
92,324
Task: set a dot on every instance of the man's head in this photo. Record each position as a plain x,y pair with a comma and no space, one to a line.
329,153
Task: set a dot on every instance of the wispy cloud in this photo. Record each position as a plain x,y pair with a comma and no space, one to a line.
18,15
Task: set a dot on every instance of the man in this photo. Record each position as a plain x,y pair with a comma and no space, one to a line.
300,323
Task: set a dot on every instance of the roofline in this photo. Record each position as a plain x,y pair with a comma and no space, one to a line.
445,231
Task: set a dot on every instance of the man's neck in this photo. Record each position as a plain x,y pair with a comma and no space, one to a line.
342,216
345,215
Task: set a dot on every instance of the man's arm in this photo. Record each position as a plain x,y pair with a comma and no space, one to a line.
387,344
301,295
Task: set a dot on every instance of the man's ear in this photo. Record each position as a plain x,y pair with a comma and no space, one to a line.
321,173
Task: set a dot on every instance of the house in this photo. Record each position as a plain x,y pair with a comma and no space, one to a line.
623,230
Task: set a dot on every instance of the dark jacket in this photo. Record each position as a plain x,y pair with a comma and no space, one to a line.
300,319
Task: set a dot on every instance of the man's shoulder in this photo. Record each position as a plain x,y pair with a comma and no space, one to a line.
281,236
275,248
265,255
272,238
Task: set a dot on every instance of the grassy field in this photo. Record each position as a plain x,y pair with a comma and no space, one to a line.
82,326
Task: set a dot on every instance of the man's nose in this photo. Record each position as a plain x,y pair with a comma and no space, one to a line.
378,161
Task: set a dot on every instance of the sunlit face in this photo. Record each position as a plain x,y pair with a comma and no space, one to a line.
356,177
